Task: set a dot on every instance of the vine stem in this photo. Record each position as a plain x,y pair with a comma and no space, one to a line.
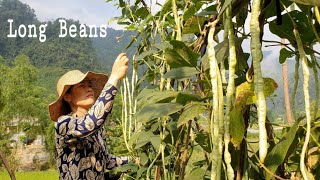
230,92
177,20
258,80
295,87
306,76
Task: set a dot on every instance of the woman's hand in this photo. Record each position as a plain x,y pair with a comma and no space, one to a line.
119,69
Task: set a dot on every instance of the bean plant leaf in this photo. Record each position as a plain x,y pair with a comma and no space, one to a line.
145,54
181,55
153,111
154,97
225,5
202,139
185,97
140,172
143,139
155,141
285,30
208,11
237,127
147,90
197,173
193,25
190,113
222,52
143,159
284,54
127,167
279,152
192,9
163,45
269,87
181,73
308,2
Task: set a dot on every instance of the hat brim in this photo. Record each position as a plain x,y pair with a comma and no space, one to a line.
99,80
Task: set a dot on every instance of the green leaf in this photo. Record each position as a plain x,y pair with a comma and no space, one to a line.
147,90
269,87
154,97
202,139
192,10
153,111
197,173
208,11
225,5
134,138
190,113
181,55
284,54
144,54
308,2
185,97
141,171
181,73
222,52
193,25
279,152
155,141
144,138
143,159
237,128
127,167
163,45
285,30
142,13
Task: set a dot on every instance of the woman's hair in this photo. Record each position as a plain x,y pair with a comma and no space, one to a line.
66,109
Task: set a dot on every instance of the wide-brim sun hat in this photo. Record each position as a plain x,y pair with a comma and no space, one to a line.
72,78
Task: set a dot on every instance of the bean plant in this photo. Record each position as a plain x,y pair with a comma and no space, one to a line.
194,91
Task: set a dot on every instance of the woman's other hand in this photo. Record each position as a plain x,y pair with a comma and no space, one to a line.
119,69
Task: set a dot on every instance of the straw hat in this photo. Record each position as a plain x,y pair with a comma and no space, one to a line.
71,78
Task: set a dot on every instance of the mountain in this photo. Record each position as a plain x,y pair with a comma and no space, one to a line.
56,55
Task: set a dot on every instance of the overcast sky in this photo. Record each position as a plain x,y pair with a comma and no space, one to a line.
95,12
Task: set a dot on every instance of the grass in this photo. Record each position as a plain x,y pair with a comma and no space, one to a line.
47,175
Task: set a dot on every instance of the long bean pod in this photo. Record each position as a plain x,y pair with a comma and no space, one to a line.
258,80
306,76
230,93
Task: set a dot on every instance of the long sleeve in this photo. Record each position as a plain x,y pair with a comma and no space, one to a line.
76,127
116,161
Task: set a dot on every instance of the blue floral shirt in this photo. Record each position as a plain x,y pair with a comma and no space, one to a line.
81,144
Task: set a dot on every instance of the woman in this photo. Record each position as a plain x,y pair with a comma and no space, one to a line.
85,101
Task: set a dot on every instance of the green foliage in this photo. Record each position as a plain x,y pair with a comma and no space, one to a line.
269,87
278,154
173,66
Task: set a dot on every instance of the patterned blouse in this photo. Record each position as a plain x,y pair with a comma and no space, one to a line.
81,143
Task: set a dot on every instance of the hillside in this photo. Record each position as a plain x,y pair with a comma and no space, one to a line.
56,55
